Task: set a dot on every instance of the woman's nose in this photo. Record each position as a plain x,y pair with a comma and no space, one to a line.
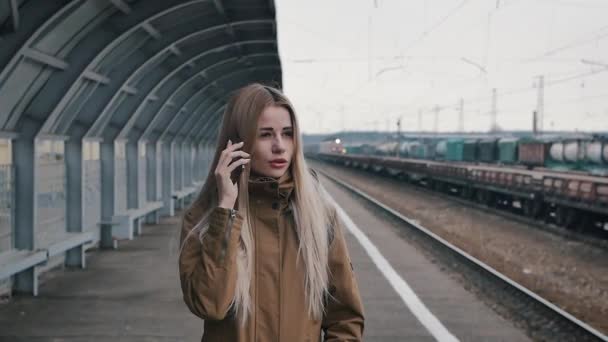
278,145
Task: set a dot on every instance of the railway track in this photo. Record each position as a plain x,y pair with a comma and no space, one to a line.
595,240
541,319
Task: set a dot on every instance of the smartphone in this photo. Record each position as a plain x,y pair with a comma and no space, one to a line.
236,173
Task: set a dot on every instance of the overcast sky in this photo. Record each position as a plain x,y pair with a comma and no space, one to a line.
362,64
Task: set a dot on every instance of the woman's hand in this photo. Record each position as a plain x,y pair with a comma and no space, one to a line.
227,190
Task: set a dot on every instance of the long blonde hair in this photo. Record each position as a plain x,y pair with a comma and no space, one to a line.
310,209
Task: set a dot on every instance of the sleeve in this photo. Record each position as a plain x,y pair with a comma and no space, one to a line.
208,271
344,317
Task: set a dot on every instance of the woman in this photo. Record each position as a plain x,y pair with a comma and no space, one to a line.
263,255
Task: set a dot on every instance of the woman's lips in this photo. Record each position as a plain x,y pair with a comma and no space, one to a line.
278,164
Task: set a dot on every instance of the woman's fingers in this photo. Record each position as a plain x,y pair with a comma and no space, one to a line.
230,157
227,154
237,163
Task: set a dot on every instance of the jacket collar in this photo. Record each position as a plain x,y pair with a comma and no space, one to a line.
277,189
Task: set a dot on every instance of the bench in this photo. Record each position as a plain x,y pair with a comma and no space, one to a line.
128,223
22,264
182,197
74,248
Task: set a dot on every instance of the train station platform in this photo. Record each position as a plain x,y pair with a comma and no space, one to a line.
140,300
128,294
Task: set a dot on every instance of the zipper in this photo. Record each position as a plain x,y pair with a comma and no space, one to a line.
227,231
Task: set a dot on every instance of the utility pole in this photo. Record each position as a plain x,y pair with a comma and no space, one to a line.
398,135
494,122
540,103
436,123
534,123
461,116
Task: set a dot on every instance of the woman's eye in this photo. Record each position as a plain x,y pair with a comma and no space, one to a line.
289,134
265,135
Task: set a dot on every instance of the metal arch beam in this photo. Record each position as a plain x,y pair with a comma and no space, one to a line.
211,121
169,101
95,130
207,131
210,107
214,120
122,6
222,99
195,120
98,126
101,77
211,84
197,95
12,112
34,37
145,25
202,123
152,31
152,126
44,58
219,6
192,117
138,112
201,117
15,14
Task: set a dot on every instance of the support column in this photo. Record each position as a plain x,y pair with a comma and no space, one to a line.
196,163
187,174
151,191
74,210
167,180
24,219
177,162
107,180
132,168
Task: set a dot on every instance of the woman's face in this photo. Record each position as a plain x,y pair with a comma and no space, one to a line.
273,147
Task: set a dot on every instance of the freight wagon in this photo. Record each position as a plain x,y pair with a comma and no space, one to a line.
587,154
573,201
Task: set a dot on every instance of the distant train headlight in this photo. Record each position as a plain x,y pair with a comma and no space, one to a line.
337,141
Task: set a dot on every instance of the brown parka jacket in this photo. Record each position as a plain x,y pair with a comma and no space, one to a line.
279,312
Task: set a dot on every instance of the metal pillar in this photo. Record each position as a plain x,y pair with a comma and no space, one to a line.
132,174
151,191
107,180
74,210
24,219
167,180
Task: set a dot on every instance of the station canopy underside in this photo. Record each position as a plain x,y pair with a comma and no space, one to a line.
132,70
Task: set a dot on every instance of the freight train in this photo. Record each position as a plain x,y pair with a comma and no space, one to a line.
328,145
587,154
571,200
